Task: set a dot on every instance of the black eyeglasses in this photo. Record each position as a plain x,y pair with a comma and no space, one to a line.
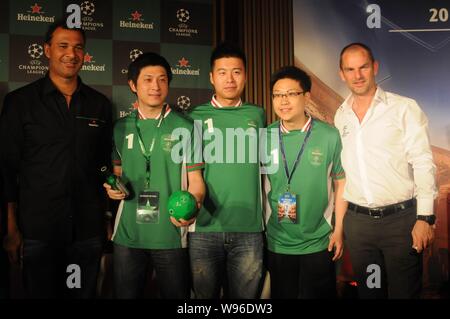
289,95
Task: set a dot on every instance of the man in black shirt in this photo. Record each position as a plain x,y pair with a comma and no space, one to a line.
55,137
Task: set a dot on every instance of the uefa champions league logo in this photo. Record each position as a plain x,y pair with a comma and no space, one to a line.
87,8
35,51
183,15
34,66
134,54
184,102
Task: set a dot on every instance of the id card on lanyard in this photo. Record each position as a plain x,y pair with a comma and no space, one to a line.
287,201
147,211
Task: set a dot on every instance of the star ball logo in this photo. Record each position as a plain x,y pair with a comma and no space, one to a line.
184,68
183,29
136,22
34,66
89,64
184,102
133,55
35,51
87,8
36,14
183,15
88,23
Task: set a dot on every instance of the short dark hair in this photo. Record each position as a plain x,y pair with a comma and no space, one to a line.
294,73
62,23
227,50
355,45
147,59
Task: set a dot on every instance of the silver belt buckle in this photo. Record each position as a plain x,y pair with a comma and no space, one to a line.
376,213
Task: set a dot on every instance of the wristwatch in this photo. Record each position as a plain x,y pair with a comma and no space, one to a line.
430,219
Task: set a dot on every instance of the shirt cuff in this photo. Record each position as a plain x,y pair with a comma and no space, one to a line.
425,206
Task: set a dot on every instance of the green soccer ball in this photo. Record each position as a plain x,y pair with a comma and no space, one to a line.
182,204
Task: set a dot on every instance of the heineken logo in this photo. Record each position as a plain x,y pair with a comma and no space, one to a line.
35,15
89,64
183,63
184,68
167,142
36,9
88,58
133,106
136,16
136,22
316,156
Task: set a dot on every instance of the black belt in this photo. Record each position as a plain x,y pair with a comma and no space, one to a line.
380,212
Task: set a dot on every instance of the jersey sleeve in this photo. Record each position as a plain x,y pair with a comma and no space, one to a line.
116,156
337,171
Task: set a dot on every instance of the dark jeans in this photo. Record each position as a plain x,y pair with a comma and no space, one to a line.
237,257
309,276
387,243
46,272
131,266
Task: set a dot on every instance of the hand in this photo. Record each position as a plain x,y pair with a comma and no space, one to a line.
181,222
13,245
113,194
423,235
336,242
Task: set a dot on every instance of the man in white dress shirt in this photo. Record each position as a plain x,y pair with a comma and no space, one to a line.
390,184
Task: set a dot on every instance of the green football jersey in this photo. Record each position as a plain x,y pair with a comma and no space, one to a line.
166,177
311,183
230,152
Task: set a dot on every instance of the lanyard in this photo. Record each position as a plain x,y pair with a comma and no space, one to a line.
299,155
147,154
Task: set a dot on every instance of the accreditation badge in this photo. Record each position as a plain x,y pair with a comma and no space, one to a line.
148,208
287,208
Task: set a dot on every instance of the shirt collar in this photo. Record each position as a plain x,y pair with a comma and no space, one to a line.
49,87
216,103
305,127
142,116
379,97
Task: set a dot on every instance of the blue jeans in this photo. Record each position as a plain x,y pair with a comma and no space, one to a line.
238,257
131,266
45,267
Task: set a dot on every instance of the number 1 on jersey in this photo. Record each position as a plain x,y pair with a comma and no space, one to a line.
130,138
209,123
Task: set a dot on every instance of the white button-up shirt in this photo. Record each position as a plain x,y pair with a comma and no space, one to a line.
387,157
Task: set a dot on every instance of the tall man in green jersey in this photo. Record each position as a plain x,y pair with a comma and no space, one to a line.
226,241
300,235
144,234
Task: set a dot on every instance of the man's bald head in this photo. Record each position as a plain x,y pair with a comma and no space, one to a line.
353,47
